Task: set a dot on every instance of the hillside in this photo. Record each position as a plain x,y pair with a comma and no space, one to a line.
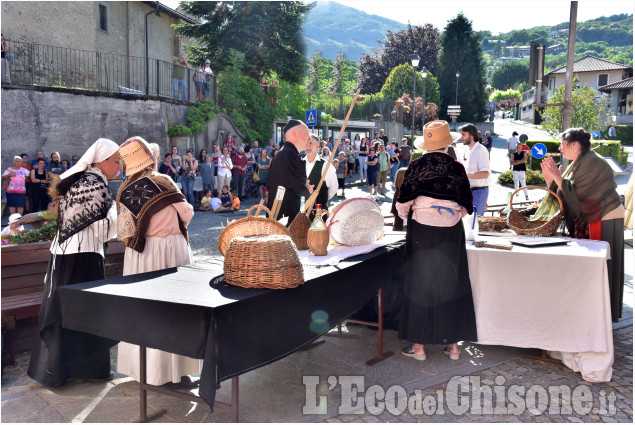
331,27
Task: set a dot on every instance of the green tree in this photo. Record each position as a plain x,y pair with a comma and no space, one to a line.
398,47
399,82
244,101
461,51
510,74
585,110
268,33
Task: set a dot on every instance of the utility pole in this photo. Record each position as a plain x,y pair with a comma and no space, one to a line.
567,110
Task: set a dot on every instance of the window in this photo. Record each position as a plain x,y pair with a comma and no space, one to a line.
552,82
603,79
102,16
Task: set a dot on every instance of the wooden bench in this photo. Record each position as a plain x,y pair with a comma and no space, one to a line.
14,308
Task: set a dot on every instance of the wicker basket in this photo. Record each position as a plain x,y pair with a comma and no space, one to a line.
263,262
250,226
491,224
519,223
355,222
299,229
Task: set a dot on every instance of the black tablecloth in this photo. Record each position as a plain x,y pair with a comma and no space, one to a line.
233,329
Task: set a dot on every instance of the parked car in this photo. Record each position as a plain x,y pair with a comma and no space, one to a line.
509,114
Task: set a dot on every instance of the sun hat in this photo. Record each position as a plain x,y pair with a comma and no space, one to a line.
14,217
136,154
436,135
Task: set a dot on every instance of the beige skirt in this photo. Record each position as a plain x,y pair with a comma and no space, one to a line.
163,367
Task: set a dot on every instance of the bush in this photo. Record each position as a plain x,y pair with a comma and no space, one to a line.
179,130
532,178
197,117
552,145
624,134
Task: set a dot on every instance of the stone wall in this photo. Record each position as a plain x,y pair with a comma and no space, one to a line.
67,122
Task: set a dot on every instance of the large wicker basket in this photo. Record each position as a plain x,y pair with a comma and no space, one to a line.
250,226
519,223
355,222
263,262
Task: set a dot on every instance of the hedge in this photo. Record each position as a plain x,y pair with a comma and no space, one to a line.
532,178
624,134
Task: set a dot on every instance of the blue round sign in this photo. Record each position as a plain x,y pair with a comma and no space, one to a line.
538,150
596,135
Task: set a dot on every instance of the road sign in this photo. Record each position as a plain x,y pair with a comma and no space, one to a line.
515,100
492,105
596,135
538,150
311,117
454,110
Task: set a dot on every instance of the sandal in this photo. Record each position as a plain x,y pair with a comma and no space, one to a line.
453,352
415,353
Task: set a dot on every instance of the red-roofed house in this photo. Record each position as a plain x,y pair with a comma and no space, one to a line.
590,70
621,100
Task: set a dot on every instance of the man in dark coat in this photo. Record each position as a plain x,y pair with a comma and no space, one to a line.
288,170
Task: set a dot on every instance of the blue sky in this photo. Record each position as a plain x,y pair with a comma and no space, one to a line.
493,15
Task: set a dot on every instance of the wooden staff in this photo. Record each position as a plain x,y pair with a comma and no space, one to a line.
309,203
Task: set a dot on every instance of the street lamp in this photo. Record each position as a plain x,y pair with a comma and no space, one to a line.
456,101
414,60
424,74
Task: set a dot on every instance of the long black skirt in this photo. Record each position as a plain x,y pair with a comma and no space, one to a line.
59,354
437,305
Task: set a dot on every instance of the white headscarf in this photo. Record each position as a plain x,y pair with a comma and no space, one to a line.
100,150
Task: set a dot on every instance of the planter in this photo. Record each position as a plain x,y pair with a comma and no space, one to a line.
24,266
23,271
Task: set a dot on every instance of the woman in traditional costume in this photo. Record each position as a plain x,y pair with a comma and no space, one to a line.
86,219
592,206
153,220
437,305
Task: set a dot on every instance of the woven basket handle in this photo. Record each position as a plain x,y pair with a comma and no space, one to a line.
258,208
511,207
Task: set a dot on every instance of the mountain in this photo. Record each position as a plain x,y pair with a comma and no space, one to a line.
331,27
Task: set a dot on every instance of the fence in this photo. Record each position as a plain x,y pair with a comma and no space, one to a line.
51,66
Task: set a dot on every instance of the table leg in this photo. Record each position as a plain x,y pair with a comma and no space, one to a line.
143,393
235,399
542,356
380,325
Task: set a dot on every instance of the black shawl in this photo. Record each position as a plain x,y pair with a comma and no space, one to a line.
436,175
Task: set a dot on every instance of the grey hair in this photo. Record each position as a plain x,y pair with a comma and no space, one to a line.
17,157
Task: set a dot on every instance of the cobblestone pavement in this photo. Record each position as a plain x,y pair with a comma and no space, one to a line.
275,393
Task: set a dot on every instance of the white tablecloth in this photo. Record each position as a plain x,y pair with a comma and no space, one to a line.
552,298
337,253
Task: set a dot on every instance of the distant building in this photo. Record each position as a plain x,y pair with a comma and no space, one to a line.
504,59
590,70
518,51
621,93
116,27
555,49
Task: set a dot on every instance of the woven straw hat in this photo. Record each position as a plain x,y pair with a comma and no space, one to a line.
136,154
436,135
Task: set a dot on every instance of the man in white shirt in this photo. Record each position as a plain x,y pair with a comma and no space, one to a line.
511,144
314,170
476,163
208,78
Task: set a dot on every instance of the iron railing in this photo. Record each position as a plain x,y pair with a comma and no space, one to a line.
52,66
367,107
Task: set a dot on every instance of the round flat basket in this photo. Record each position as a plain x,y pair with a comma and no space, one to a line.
263,262
250,226
355,222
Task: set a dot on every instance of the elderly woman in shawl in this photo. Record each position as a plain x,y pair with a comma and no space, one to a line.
593,209
437,304
86,219
153,220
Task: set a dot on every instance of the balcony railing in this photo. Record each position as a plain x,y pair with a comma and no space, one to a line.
50,66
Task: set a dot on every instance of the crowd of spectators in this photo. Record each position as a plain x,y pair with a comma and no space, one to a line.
25,183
